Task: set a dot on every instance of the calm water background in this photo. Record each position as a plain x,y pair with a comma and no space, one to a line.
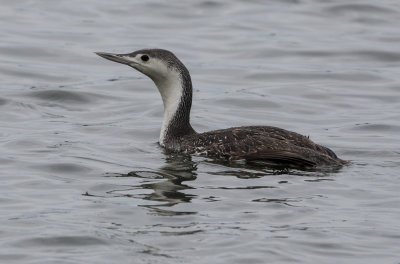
83,180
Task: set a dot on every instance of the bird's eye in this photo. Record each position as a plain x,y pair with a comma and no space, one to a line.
144,58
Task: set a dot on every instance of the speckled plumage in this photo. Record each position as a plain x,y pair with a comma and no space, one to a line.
267,143
257,143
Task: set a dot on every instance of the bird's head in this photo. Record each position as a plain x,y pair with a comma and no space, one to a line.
158,64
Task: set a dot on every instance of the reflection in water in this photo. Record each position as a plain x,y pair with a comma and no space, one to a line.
257,169
178,168
167,189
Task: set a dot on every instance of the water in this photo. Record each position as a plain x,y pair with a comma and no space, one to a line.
84,181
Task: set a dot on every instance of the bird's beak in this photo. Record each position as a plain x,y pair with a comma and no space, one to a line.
121,58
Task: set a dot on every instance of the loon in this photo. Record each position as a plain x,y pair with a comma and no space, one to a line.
251,143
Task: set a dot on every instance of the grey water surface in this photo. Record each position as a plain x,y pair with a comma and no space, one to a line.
83,179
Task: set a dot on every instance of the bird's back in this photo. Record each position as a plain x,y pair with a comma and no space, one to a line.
259,143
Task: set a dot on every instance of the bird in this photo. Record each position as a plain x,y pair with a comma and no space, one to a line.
249,143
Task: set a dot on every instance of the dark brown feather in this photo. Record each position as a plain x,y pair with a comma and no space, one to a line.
258,143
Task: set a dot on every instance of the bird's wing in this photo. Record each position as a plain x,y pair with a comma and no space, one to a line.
275,150
280,156
255,143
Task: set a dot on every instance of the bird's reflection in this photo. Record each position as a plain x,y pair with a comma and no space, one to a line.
178,168
257,169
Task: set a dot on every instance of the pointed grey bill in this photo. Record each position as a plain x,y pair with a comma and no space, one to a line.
115,57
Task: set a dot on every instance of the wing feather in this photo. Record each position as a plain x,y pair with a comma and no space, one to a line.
259,143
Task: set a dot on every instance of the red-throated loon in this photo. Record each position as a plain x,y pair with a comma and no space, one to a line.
267,143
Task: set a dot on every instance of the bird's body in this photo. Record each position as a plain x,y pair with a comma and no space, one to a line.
250,143
256,143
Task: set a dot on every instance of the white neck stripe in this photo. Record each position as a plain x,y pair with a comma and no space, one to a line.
171,92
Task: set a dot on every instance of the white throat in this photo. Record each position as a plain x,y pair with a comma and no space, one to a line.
170,89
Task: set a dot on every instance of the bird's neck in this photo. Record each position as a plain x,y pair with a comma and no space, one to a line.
176,93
